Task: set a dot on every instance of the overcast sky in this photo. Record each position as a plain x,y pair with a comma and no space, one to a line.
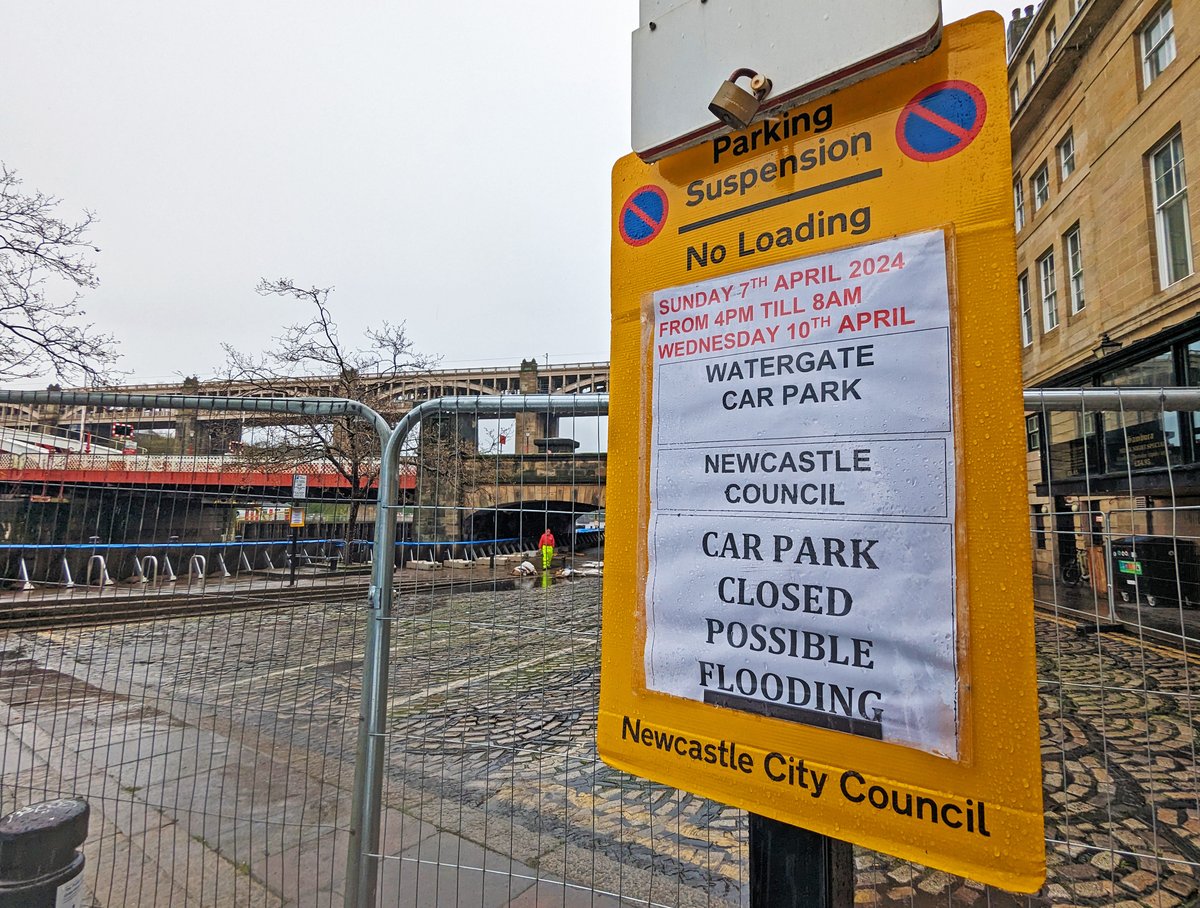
444,164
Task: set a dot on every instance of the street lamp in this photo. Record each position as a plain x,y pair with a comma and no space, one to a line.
1106,347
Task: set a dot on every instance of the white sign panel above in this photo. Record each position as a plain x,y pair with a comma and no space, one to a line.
683,51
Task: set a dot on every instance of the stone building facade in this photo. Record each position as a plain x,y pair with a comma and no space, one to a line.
1105,107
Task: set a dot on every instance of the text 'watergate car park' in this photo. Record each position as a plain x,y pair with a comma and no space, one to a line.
806,612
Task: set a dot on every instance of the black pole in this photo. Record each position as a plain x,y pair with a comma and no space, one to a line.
295,540
795,868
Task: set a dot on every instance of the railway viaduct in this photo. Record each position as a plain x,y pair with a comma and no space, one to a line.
392,394
196,457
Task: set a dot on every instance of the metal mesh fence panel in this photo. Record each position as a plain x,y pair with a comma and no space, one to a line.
156,659
175,651
1113,524
493,794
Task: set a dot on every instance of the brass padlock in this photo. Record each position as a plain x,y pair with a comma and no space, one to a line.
736,107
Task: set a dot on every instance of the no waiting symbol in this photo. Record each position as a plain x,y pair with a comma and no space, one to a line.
643,215
941,121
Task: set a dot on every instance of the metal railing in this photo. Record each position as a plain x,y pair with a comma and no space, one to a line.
362,873
142,461
167,672
1115,505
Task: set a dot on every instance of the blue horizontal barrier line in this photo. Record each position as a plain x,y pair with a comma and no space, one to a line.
58,546
371,542
90,546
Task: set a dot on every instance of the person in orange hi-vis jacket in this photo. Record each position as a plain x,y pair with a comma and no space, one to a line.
547,544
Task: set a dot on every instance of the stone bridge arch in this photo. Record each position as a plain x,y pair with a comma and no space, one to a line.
527,519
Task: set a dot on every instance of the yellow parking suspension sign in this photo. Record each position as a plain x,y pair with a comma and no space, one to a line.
817,605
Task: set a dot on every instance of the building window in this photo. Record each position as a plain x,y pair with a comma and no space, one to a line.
1051,37
1171,211
1158,43
1033,432
1014,96
1115,441
1019,202
1041,187
1039,526
1191,376
1140,439
1066,155
1031,69
1086,427
1026,310
1049,292
1074,6
1075,268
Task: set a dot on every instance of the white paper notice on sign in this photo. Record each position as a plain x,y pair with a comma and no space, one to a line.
802,527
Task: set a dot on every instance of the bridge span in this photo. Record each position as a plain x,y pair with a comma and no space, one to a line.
68,475
391,394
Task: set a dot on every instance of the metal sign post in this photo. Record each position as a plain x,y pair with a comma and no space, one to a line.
795,868
808,606
296,520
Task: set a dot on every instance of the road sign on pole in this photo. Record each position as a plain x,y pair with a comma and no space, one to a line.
299,486
824,535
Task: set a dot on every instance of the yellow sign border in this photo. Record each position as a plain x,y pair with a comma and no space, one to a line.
999,762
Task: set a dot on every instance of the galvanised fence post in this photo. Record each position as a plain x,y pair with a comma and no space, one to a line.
362,870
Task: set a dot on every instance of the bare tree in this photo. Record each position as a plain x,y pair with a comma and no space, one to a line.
451,471
310,359
44,263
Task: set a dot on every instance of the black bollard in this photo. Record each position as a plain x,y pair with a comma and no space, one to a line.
39,864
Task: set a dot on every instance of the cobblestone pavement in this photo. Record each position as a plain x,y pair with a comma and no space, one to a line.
1120,767
217,752
1120,783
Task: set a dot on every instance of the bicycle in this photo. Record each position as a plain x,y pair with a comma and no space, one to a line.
1075,570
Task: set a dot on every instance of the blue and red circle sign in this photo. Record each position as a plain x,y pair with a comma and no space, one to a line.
941,121
643,215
